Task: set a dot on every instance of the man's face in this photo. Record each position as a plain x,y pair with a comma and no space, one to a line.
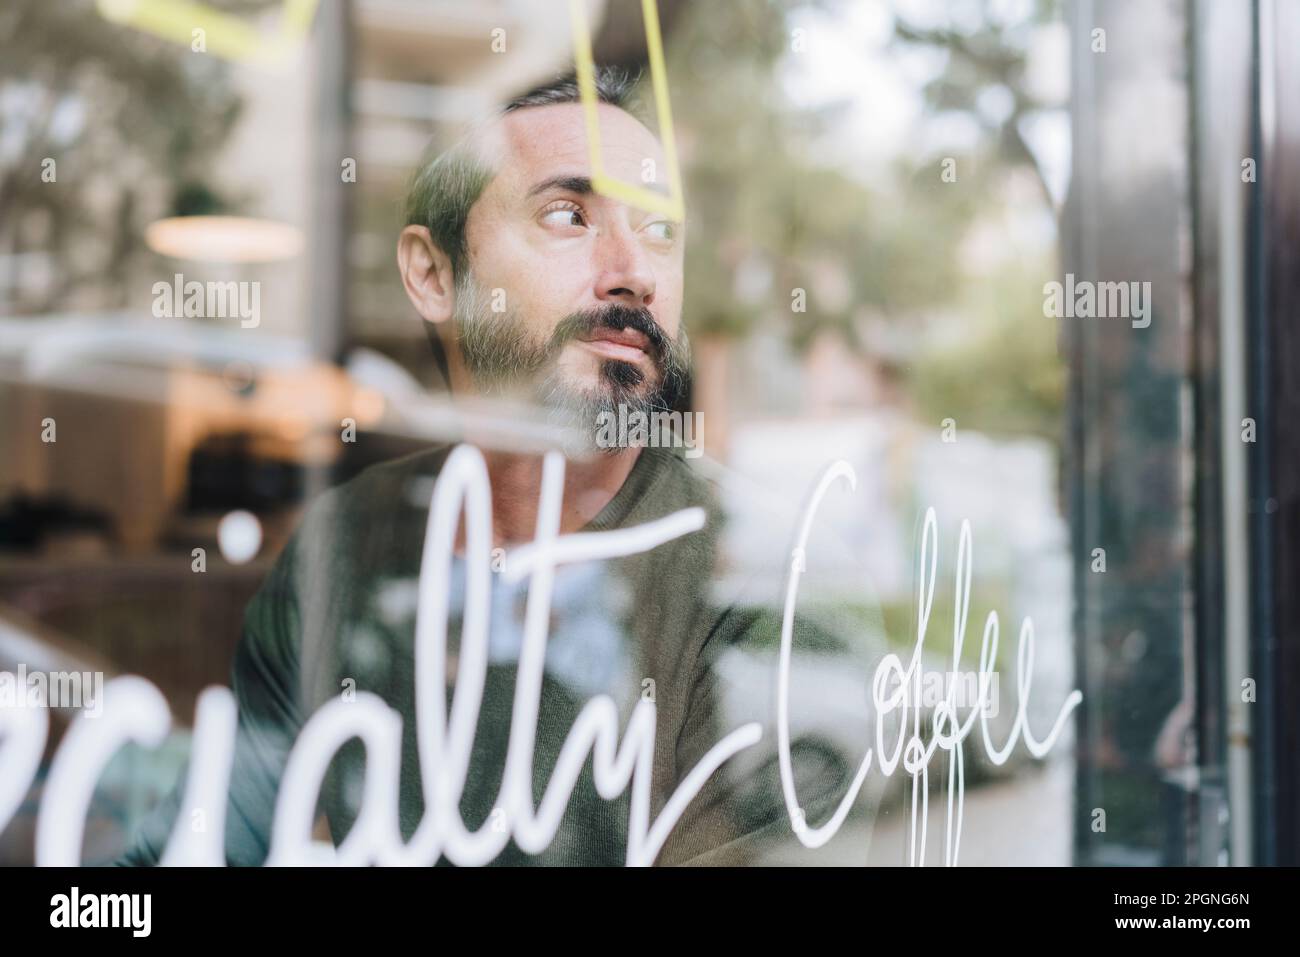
569,294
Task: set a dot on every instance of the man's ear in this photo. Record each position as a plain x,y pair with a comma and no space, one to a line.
426,274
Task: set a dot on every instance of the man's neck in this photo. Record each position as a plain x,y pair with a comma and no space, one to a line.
516,481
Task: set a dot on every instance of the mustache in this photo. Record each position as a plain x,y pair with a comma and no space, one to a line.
616,317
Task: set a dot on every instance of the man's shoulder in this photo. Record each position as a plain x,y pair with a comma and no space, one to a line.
343,529
405,474
402,481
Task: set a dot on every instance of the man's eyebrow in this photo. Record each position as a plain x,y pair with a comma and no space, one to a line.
577,184
571,184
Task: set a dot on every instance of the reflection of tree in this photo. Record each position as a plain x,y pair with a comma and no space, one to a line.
876,256
1006,376
990,57
126,117
761,205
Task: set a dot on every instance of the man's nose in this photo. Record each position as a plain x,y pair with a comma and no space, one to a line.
624,273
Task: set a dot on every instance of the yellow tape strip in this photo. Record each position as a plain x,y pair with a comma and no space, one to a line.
224,35
672,205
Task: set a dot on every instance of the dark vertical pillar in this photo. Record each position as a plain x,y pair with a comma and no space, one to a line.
1223,68
1129,444
1274,348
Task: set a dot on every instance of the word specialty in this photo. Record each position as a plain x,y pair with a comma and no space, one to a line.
134,710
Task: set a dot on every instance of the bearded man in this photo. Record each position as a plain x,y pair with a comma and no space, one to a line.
534,288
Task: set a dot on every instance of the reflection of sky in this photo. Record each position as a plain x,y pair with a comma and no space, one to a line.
23,105
850,60
585,648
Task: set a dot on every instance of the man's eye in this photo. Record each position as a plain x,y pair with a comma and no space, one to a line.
564,216
662,230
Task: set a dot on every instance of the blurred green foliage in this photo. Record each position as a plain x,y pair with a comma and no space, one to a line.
761,203
131,121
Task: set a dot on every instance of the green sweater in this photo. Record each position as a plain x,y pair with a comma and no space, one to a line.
340,603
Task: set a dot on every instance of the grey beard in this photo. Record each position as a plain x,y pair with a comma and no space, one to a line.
496,350
505,362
